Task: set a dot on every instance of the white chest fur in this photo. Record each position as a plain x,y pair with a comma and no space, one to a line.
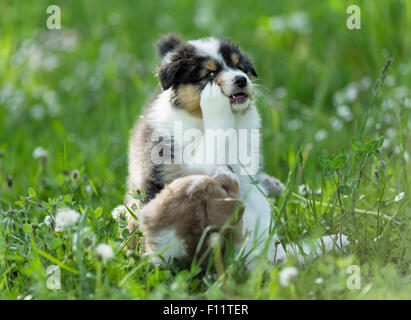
217,114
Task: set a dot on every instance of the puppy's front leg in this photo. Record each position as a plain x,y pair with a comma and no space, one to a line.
219,138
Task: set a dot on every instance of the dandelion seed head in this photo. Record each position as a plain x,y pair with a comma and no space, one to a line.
40,152
66,218
288,275
104,252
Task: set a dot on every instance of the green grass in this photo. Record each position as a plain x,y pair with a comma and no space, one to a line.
77,92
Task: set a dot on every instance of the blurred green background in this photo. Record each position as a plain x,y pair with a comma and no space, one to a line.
69,97
82,87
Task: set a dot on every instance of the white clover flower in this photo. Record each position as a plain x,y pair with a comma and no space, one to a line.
66,218
278,23
88,189
104,252
351,92
47,220
386,143
319,280
401,92
303,189
280,92
339,97
388,104
336,123
321,135
118,211
407,103
37,111
365,83
399,196
390,80
390,132
288,275
299,21
295,124
40,152
318,192
344,112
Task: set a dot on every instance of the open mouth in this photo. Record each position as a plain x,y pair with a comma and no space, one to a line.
239,97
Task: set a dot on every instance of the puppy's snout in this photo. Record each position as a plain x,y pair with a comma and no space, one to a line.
240,81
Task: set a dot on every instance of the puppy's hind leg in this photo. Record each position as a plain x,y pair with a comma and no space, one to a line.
272,186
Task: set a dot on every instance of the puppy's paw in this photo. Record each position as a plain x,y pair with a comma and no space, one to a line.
270,184
225,172
216,107
227,178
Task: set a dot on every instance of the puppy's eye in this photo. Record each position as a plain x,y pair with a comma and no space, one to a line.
210,74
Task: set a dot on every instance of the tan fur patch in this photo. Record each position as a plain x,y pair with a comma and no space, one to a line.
235,58
210,202
210,65
188,96
219,80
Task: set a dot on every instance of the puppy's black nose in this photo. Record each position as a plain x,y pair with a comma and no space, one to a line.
240,81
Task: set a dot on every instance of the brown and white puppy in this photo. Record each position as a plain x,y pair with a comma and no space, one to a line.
185,71
188,209
207,85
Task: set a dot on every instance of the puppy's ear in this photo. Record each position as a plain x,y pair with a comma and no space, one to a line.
167,43
250,68
167,73
252,71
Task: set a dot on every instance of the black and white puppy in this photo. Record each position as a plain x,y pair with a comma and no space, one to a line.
207,85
